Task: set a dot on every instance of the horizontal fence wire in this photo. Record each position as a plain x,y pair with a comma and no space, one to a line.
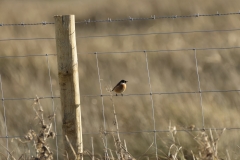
136,94
30,55
162,50
165,93
27,24
125,35
142,131
133,51
159,33
153,17
29,98
25,39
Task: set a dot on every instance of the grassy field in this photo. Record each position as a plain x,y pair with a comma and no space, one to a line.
169,72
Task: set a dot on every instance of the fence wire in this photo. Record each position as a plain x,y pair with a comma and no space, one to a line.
133,51
199,88
53,104
140,131
152,17
153,111
163,50
133,94
146,52
27,24
103,109
126,35
5,118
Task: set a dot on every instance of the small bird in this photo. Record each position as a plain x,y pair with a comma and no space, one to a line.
120,87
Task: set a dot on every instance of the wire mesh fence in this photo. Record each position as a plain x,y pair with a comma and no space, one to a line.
101,66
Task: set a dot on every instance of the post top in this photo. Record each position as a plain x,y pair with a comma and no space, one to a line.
64,15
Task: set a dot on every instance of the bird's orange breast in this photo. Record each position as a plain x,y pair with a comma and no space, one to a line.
120,88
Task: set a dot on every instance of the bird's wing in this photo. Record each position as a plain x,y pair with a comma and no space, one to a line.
115,86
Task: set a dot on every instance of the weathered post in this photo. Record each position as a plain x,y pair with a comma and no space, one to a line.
69,84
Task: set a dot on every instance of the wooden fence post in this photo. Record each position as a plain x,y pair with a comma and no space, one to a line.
69,84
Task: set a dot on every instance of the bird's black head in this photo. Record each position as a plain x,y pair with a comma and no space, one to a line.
123,81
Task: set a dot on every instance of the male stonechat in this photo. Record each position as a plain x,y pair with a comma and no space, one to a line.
120,87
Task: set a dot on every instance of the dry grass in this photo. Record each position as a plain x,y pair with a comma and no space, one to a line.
207,148
169,71
37,138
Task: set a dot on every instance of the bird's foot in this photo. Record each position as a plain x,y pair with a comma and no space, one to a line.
121,94
116,94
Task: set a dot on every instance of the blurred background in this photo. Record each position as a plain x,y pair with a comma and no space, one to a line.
170,71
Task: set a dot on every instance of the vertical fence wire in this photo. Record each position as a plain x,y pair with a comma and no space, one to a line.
53,104
153,111
199,88
4,115
103,109
93,158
